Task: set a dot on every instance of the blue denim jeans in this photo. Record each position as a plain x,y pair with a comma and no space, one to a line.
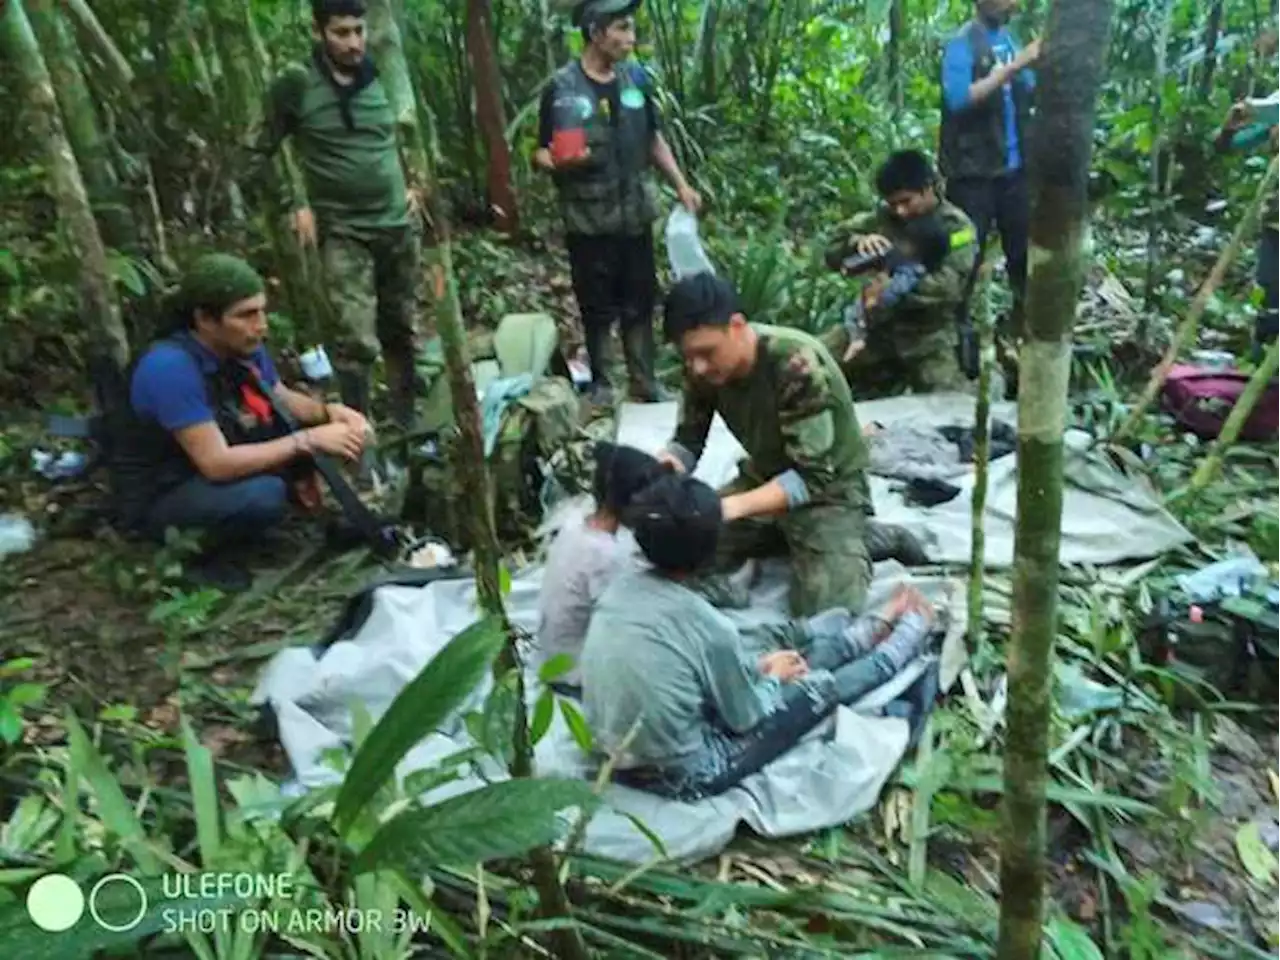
234,512
841,674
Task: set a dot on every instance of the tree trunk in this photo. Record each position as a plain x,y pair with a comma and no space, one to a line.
1156,199
107,338
80,120
487,554
897,26
487,81
393,69
708,87
985,330
1075,49
1209,63
101,43
471,462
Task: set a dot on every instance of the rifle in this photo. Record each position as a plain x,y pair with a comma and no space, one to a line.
383,537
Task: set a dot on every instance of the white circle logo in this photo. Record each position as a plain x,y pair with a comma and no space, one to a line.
55,903
93,902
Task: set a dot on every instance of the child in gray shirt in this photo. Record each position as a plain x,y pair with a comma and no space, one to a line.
671,690
586,555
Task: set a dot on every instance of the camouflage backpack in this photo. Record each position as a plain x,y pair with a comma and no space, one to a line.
533,436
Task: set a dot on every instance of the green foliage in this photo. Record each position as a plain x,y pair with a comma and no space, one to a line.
445,682
16,698
495,822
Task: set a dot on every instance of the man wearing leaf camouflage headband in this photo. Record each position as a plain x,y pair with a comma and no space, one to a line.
598,136
200,447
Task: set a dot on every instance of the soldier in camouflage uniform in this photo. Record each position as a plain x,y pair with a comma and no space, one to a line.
915,342
607,197
361,201
1234,135
803,488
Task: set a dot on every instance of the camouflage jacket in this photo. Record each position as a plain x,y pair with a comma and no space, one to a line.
935,302
793,413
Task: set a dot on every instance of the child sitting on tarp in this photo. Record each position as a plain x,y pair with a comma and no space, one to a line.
587,553
671,689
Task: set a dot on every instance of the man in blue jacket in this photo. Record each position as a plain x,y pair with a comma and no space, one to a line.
987,86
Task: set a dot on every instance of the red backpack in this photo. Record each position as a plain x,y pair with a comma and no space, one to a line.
1201,398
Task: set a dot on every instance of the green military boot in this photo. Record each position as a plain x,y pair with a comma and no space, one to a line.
638,350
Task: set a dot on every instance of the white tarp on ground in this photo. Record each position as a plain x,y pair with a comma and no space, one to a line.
834,775
1107,515
828,779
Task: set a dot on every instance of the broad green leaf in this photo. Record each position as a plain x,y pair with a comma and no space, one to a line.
577,725
555,667
504,580
10,667
10,722
543,710
1257,859
26,694
423,705
204,795
497,821
1070,941
118,713
114,809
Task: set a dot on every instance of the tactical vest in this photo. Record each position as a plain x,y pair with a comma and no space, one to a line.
147,462
612,192
972,141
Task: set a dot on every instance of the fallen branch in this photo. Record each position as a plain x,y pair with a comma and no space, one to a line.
1186,333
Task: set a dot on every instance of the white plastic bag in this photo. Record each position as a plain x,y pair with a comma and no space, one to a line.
315,364
684,249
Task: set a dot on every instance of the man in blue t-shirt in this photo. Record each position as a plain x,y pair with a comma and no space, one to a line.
987,86
202,447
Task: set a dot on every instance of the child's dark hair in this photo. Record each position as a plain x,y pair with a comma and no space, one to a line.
676,521
905,170
930,239
621,473
324,10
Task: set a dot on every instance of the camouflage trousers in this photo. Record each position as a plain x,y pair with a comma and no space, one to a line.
889,364
826,545
372,282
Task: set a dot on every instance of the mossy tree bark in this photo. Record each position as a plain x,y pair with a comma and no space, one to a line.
897,29
985,330
393,69
1075,49
487,552
108,340
80,120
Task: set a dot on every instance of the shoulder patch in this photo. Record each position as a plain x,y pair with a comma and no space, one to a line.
963,237
802,385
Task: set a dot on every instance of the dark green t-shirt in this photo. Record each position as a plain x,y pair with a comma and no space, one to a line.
351,169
